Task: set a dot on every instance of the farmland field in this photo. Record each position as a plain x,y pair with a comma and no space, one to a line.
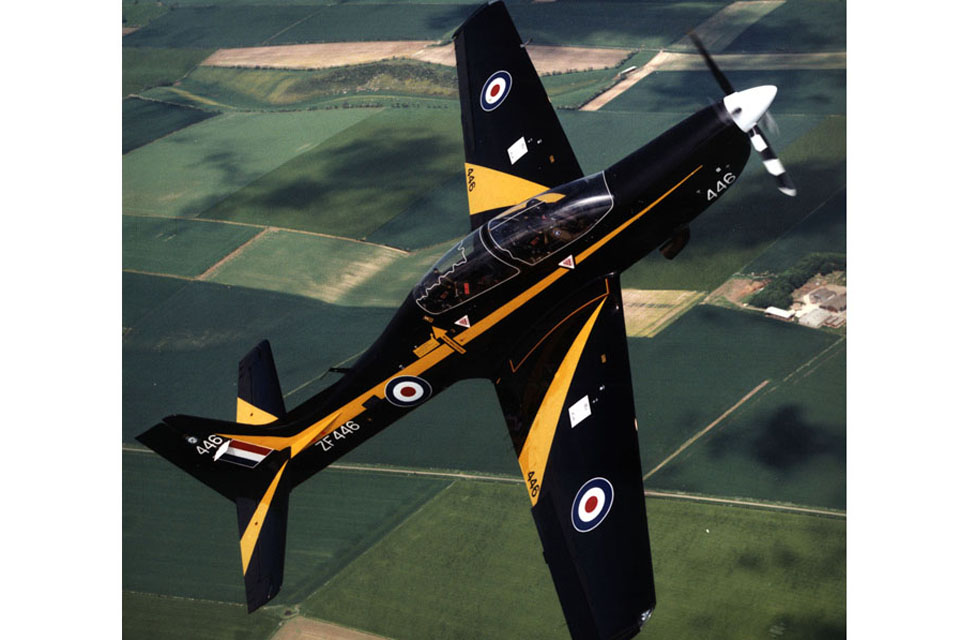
145,121
334,518
788,445
187,172
301,205
178,247
146,68
355,181
423,581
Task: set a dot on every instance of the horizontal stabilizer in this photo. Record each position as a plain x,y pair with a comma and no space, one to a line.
251,475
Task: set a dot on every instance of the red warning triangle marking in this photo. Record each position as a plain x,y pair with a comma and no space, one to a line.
568,262
463,322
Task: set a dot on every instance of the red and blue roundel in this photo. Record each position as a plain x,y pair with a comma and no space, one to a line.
408,391
592,504
495,90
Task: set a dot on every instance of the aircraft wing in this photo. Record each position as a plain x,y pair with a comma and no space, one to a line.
515,146
568,401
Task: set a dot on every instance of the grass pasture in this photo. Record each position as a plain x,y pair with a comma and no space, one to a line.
153,617
797,26
144,121
181,348
423,581
190,170
333,518
147,68
788,444
355,181
802,91
701,365
334,270
176,246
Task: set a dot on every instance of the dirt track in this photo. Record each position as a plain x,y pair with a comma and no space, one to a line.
300,628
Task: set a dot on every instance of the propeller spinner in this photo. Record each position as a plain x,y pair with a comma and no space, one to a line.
747,108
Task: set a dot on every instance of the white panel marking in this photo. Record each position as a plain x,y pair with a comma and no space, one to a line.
579,411
517,150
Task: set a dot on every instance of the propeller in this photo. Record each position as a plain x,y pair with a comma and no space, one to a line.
757,138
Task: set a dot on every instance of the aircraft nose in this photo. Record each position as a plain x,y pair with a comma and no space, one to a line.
747,107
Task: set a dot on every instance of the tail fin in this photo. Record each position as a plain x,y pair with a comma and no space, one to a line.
259,399
250,475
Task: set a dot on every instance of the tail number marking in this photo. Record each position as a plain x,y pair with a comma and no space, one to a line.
211,443
329,441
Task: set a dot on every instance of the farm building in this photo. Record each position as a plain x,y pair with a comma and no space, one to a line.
815,318
821,295
835,303
779,314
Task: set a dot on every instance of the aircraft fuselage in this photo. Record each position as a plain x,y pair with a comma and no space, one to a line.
634,206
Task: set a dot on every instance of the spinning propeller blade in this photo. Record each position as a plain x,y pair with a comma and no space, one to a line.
757,138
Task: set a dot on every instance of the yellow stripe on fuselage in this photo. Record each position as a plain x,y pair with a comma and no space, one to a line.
536,448
491,189
352,409
248,541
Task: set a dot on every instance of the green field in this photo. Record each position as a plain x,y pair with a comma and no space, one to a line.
788,444
753,572
152,617
187,172
823,231
801,91
355,181
797,26
147,68
144,121
178,247
329,269
334,518
701,365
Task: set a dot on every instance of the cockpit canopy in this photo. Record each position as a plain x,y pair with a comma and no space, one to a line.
538,228
522,235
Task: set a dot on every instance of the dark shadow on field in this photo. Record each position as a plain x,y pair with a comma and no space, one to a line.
786,441
349,189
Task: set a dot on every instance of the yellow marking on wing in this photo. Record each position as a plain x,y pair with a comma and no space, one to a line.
352,409
492,189
251,414
248,541
536,448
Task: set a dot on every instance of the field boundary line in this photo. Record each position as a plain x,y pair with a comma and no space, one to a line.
706,429
134,213
159,274
815,358
212,269
746,503
287,28
453,475
407,471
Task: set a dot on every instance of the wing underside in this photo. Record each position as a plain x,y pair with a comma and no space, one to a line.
515,147
567,397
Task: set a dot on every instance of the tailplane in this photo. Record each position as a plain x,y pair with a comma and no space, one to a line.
253,476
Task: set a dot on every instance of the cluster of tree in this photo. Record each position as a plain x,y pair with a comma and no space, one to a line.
779,292
396,75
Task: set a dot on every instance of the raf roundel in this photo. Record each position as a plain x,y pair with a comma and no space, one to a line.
495,90
592,504
407,391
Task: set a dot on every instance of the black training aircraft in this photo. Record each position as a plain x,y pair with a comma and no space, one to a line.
530,300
